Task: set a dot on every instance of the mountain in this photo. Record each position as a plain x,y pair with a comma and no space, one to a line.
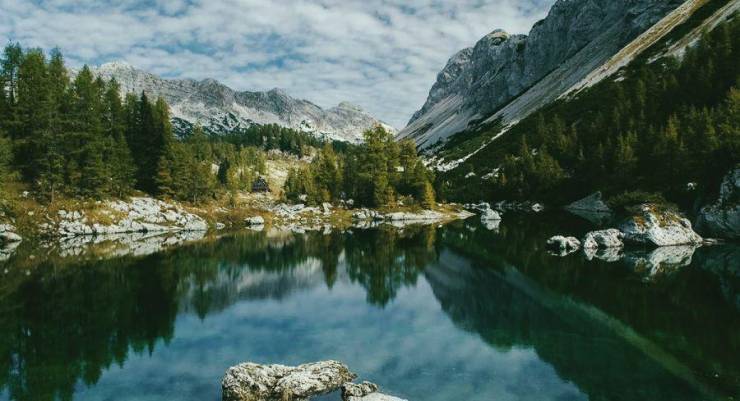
505,77
220,109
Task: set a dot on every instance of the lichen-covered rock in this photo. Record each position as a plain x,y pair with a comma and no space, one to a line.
357,390
563,245
254,382
603,239
654,226
722,219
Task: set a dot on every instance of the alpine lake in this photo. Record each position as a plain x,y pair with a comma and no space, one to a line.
461,311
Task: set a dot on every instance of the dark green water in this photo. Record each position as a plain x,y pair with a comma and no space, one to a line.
451,313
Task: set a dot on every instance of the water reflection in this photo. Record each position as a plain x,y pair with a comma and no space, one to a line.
599,325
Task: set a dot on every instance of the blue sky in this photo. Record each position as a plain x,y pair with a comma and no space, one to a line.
383,55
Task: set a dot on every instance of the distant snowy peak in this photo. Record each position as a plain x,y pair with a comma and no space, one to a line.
220,109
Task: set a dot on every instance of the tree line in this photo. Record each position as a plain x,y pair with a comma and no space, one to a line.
661,126
379,172
75,135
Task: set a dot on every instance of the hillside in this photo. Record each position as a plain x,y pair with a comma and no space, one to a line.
220,109
660,124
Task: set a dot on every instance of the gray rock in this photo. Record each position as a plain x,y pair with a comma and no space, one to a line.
653,226
609,255
591,203
722,219
508,76
221,110
563,245
603,239
254,382
490,215
424,215
375,397
255,221
358,390
8,234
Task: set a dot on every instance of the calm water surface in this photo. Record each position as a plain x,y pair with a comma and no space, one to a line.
458,312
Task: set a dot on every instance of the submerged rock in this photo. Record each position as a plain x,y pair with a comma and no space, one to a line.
254,382
653,226
603,239
722,218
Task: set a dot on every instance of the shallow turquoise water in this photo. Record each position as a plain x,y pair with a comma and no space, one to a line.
452,313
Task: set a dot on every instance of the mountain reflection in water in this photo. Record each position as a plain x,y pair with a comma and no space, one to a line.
457,312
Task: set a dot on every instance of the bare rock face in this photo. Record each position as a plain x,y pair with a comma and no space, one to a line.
722,219
254,382
220,109
526,72
8,234
653,226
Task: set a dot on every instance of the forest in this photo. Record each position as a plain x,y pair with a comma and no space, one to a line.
75,135
664,128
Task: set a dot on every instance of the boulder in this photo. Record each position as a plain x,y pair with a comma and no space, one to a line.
254,382
603,239
722,218
563,245
651,225
609,255
255,221
8,234
425,215
490,215
591,203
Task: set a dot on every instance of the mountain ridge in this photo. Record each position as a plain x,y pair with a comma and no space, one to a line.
221,109
575,38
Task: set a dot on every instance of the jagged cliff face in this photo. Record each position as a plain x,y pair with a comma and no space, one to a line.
508,76
220,110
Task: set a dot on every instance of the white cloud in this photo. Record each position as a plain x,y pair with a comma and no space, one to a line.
383,54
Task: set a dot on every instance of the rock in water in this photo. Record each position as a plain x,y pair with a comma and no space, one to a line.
603,239
254,382
722,219
652,225
563,244
254,221
591,203
490,215
8,234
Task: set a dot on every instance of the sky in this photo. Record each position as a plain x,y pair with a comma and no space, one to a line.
383,55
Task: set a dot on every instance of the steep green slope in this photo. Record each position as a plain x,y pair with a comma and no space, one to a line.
656,126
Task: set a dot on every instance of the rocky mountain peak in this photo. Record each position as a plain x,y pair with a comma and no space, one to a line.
220,109
508,76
